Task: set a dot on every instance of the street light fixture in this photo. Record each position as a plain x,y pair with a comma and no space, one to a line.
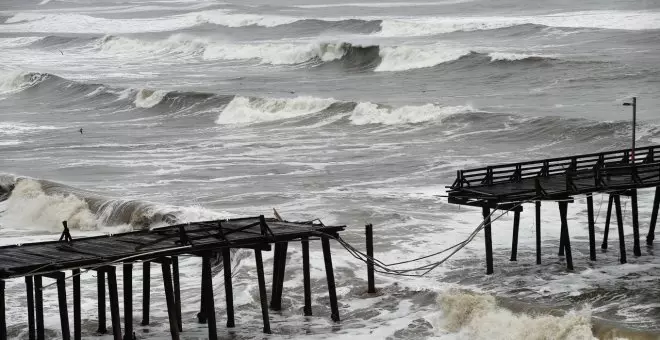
634,123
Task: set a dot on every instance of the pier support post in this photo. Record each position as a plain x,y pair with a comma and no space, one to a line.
207,297
100,286
3,318
330,275
307,310
563,209
538,231
371,285
619,220
592,227
39,307
128,300
77,321
654,217
279,266
607,221
485,211
146,291
635,222
29,290
177,291
514,244
229,292
169,297
113,295
201,316
262,285
64,313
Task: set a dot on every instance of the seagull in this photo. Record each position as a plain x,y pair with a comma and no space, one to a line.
81,131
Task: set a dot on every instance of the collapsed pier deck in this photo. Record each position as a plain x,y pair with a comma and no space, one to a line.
508,186
160,245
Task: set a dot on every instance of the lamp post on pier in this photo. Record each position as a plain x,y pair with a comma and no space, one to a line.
634,123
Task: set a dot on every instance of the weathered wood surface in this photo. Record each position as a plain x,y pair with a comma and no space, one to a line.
190,238
557,178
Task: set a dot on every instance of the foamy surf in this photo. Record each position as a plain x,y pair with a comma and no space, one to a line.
369,113
244,110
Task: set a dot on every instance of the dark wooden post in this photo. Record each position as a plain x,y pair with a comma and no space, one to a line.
262,285
485,211
654,217
516,226
3,318
29,289
201,316
61,297
77,321
635,222
128,300
113,295
371,284
169,297
177,291
307,310
146,291
279,267
39,307
607,222
619,220
330,275
592,227
207,298
226,260
538,231
563,209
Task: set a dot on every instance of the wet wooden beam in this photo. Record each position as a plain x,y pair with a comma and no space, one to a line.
330,276
537,205
229,292
592,227
77,317
563,208
113,295
654,217
307,286
619,220
262,290
39,307
29,290
607,221
146,292
485,212
128,300
635,222
177,291
169,297
514,240
207,297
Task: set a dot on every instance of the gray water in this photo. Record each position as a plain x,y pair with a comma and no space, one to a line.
351,112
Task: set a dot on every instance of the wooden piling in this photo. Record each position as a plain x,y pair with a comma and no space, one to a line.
128,300
113,295
485,211
592,227
262,286
327,257
635,222
100,286
607,221
226,260
563,209
619,220
177,291
146,292
279,266
207,298
371,285
29,290
538,231
77,317
514,241
39,307
307,310
201,316
61,297
3,317
654,217
169,297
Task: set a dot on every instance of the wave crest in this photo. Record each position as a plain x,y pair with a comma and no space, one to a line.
244,110
369,113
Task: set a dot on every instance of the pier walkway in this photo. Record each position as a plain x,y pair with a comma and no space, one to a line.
35,261
508,186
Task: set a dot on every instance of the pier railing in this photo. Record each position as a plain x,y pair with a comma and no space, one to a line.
640,165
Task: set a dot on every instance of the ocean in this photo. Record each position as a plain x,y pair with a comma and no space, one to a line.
350,112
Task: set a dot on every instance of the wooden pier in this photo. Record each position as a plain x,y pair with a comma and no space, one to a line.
508,186
36,261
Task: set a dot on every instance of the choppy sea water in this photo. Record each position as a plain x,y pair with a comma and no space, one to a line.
351,112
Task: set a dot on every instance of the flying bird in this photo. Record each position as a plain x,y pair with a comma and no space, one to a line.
81,131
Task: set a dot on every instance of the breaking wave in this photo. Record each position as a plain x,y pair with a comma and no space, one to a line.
42,204
478,316
16,81
243,110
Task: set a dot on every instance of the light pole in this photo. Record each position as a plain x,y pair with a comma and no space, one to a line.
634,122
